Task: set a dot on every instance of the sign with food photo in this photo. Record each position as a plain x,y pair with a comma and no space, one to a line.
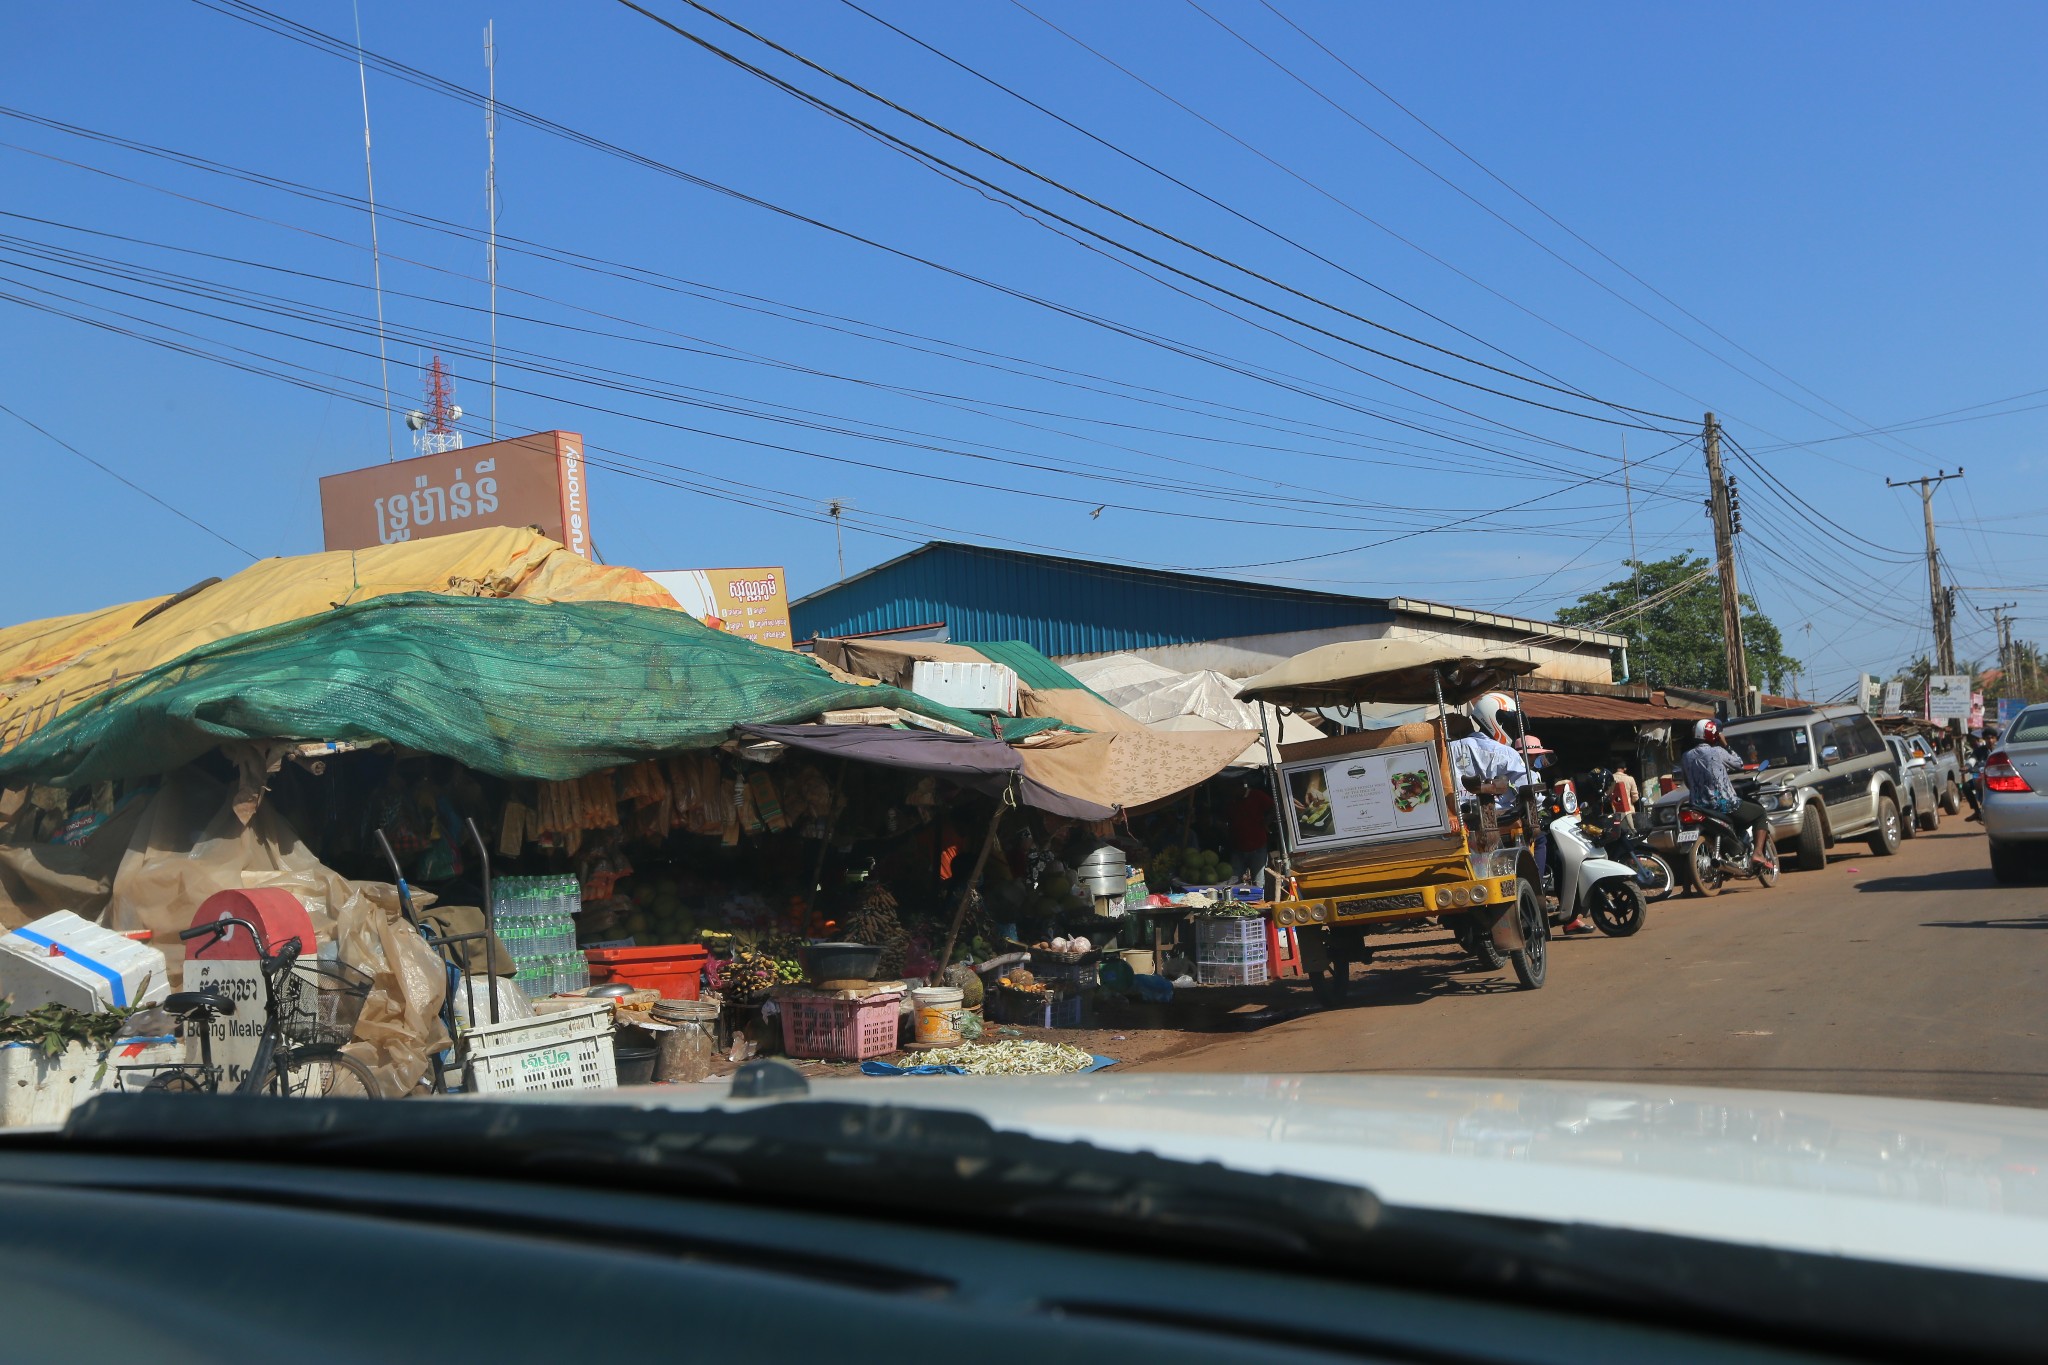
1381,794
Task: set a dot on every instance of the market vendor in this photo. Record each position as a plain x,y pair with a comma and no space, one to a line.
1251,830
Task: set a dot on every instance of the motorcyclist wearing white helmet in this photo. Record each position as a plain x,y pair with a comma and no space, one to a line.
1706,767
1488,755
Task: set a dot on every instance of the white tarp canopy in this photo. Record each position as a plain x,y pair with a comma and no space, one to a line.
1170,701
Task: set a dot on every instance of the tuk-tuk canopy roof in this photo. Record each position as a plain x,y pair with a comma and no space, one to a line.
1401,671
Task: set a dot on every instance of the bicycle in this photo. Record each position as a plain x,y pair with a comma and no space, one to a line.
298,1053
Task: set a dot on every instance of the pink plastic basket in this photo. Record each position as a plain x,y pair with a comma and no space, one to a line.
840,1030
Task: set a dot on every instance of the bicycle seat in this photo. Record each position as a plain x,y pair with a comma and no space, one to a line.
200,1004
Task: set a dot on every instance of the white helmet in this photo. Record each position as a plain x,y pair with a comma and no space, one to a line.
1490,714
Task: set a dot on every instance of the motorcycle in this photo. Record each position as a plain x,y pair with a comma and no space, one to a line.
1607,828
1716,852
1583,877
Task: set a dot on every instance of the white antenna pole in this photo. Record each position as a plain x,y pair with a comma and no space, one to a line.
491,201
376,257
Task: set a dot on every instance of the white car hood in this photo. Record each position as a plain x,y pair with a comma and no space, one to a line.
1918,1182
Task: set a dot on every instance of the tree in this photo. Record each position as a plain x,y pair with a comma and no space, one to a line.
1678,641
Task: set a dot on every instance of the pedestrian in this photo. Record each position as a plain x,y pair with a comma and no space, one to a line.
1623,796
1251,831
1979,750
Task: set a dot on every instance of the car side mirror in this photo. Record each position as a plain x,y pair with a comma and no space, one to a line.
1829,754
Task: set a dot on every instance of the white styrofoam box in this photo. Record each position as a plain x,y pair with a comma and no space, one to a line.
39,1089
71,961
967,686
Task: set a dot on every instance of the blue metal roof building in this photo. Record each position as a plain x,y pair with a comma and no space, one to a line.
1065,607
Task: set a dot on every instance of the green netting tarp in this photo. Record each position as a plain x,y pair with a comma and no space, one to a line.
1033,668
542,690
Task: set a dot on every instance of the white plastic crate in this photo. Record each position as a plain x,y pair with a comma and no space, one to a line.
1231,973
1216,931
567,1051
1232,953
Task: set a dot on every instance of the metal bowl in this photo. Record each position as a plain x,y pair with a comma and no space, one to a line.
840,961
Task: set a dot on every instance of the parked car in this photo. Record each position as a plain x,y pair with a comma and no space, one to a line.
1824,775
2015,797
1947,770
1919,798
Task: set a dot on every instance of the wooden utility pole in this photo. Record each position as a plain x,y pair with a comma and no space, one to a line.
1944,637
1721,507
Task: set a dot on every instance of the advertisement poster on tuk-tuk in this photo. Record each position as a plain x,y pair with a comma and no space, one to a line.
1386,793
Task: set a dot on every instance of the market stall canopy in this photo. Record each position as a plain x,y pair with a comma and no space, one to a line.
1045,689
1120,761
518,689
1382,671
47,667
984,765
1169,702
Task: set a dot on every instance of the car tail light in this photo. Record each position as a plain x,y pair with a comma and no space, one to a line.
1691,817
2001,776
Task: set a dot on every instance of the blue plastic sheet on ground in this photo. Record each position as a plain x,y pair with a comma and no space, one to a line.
928,1069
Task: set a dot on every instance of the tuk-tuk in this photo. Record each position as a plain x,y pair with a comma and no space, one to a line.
1377,828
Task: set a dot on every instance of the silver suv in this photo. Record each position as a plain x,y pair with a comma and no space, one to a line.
1823,775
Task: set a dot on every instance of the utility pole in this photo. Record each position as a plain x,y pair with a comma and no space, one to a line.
1721,506
1944,637
1999,618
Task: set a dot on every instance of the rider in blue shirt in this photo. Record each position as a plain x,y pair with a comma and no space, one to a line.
1706,768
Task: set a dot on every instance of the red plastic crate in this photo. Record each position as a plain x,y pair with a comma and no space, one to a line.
674,969
840,1030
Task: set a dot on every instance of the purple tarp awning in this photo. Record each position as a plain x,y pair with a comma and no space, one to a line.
984,765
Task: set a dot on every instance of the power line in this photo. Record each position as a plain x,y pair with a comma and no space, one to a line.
924,155
51,436
1324,393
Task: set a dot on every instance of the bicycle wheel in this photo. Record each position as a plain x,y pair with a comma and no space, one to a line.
321,1072
182,1081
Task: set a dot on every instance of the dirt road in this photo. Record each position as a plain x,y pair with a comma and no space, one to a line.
1913,975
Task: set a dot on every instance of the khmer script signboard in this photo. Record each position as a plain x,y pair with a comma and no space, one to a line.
537,480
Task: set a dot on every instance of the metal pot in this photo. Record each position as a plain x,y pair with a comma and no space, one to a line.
840,961
1105,872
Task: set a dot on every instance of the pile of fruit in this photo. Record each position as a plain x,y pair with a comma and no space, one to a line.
1056,897
1022,981
752,971
1192,866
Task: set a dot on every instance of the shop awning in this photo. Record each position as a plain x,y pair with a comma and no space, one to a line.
984,765
48,667
538,690
1579,706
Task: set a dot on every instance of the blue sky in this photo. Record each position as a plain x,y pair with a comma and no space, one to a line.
1849,194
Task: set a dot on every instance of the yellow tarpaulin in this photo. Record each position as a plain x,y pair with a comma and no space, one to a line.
47,667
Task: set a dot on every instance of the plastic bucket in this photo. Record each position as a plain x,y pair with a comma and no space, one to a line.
1139,960
635,1065
938,1008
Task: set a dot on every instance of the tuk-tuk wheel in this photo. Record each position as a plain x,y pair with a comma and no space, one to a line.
1476,939
1532,959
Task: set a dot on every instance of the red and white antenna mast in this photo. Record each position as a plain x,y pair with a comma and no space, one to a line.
433,431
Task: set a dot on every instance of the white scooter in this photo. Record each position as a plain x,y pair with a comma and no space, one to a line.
1586,879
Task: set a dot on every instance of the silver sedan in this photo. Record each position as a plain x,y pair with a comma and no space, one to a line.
2015,794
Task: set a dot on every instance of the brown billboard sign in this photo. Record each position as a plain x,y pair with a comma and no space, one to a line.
537,480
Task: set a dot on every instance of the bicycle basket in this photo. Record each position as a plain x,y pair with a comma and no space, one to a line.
322,1001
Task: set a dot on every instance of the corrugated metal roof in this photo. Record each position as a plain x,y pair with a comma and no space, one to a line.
1579,706
1065,606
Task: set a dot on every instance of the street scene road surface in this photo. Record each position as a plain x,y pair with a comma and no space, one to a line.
1915,976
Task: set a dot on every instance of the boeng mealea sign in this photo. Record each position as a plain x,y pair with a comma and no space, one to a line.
537,480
